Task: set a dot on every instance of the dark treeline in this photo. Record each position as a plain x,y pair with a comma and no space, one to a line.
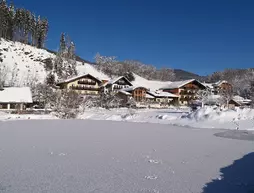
19,24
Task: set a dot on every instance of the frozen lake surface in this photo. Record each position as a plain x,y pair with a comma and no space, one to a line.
82,156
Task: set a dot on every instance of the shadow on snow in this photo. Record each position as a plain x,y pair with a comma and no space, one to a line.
236,178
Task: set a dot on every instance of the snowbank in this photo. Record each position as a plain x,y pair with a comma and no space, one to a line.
134,115
207,117
4,116
214,117
222,115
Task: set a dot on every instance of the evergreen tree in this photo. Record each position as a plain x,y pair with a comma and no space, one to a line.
11,17
34,30
3,19
42,30
21,25
62,48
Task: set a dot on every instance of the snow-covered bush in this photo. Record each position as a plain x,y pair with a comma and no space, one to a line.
48,64
67,104
109,100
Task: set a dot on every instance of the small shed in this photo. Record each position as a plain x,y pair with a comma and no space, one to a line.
15,98
233,103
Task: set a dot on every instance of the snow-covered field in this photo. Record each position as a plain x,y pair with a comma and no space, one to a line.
78,156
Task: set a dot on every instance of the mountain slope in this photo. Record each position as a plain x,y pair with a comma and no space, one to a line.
184,75
23,63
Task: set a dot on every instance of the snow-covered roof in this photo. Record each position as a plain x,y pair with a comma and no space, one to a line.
236,102
163,94
219,83
149,96
179,84
208,85
16,95
241,100
150,84
113,81
129,89
77,77
125,92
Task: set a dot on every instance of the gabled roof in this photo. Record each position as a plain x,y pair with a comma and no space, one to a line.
76,78
179,84
219,83
236,102
16,95
125,92
149,96
208,85
161,94
133,88
241,100
113,81
150,84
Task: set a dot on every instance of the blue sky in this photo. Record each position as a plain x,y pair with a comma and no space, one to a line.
200,36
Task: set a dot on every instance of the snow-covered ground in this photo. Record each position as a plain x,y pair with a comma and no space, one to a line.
208,117
4,116
78,156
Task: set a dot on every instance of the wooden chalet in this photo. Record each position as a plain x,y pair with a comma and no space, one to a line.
164,98
138,94
84,84
185,90
117,84
222,86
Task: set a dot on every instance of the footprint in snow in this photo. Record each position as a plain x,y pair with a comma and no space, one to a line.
150,191
62,154
154,161
151,177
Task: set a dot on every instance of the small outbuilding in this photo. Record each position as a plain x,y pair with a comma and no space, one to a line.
15,98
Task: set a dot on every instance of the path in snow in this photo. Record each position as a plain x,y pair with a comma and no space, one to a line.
103,156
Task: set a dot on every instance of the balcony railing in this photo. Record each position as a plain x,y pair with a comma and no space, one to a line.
188,92
86,82
115,86
91,88
121,82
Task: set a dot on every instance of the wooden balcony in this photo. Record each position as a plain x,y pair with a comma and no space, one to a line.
86,82
118,87
90,88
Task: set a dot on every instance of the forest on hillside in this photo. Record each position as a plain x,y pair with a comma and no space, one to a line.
19,24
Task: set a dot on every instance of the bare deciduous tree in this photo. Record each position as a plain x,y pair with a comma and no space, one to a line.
3,75
67,104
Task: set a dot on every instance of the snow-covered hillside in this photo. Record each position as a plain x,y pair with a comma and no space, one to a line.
26,63
153,85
